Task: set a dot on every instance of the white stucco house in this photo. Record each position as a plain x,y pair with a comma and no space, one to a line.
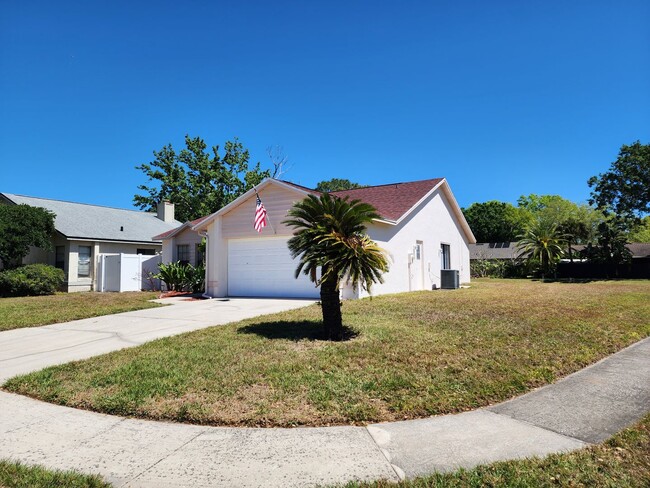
84,231
421,226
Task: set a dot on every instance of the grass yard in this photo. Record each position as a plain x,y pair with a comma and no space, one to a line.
413,355
16,313
18,475
622,461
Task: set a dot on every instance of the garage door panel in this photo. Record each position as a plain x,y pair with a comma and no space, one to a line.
264,268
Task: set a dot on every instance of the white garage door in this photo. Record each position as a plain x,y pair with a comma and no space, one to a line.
263,268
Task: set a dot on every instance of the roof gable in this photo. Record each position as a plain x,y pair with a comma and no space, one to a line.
84,221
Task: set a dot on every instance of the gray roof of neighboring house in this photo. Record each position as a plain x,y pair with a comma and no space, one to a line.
493,250
508,250
84,221
638,249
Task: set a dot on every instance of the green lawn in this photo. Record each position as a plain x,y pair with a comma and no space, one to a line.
622,461
18,475
413,355
16,313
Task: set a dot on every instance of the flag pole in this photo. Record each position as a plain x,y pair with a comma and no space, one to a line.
268,219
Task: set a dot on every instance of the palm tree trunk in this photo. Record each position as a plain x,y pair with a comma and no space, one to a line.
331,304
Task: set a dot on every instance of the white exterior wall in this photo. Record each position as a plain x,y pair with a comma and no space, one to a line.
217,260
433,223
238,223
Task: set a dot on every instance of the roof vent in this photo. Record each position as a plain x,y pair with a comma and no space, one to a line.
121,228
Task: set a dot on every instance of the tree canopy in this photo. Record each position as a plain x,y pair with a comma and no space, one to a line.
336,184
579,222
494,221
641,232
625,188
23,226
196,181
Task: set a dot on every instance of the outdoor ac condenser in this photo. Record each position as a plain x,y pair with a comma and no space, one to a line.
449,279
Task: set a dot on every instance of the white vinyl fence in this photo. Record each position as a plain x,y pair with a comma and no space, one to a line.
127,272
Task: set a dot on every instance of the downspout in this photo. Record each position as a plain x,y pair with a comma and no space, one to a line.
207,254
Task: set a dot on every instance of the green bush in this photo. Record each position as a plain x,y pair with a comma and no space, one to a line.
31,280
499,268
181,277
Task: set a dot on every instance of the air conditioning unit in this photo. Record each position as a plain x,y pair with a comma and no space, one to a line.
449,279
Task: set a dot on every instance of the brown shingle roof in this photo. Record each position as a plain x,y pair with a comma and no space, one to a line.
394,200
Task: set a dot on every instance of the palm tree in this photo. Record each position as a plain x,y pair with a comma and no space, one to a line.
331,238
542,241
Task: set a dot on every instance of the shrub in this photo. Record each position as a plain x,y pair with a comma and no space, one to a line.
194,279
181,277
499,268
31,280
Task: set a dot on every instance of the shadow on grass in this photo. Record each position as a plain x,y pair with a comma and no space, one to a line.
310,330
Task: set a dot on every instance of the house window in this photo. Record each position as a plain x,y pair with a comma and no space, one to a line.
59,257
83,267
146,252
183,253
445,256
199,255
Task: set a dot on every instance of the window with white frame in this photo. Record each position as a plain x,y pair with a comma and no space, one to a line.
83,263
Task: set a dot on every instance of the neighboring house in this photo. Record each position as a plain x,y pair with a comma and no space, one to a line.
84,231
639,267
421,227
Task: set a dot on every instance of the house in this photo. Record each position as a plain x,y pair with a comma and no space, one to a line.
83,232
421,227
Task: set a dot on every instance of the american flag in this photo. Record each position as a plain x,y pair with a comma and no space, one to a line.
260,215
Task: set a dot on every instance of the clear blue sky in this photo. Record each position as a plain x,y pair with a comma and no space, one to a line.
501,98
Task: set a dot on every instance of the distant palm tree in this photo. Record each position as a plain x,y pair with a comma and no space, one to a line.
542,241
331,238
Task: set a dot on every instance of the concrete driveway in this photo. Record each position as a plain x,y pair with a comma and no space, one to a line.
31,349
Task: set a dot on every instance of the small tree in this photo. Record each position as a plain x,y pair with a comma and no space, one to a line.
611,248
23,226
542,242
331,238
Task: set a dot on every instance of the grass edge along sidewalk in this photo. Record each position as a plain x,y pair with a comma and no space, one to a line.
414,355
20,312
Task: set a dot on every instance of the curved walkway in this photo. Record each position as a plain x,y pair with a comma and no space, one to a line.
585,407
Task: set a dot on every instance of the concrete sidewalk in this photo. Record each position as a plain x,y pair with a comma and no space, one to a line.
34,348
585,407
